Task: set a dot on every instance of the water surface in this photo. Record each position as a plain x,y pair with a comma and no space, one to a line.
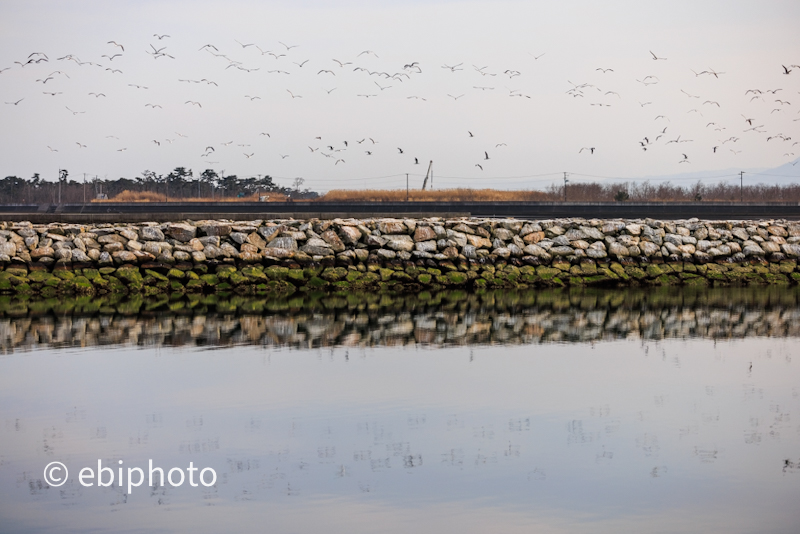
538,419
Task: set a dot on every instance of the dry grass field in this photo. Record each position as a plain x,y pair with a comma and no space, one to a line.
441,195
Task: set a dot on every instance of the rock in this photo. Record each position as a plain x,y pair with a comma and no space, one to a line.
753,250
385,254
128,234
198,256
554,231
791,250
534,237
284,243
502,233
111,238
617,249
502,252
634,229
213,228
350,235
278,252
389,226
256,240
573,234
399,242
777,231
464,229
113,247
740,233
250,257
770,246
515,250
649,249
239,237
427,246
124,256
596,253
180,255
478,241
182,232
528,228
334,241
9,249
151,233
591,233
375,240
561,251
79,255
42,252
450,252
424,233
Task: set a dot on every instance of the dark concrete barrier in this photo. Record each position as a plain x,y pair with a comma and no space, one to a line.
168,211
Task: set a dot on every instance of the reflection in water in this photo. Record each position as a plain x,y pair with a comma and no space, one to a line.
320,414
440,319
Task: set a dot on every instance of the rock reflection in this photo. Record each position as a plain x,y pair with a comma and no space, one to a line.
425,319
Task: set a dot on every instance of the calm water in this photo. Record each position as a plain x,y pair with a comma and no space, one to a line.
557,412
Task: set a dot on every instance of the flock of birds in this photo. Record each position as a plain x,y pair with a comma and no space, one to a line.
284,61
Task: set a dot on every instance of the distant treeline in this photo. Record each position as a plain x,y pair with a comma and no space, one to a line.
180,184
668,192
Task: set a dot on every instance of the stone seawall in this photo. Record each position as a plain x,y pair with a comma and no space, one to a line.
284,256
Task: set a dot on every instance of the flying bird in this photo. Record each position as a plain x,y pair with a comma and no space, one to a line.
590,149
116,44
159,37
194,103
655,57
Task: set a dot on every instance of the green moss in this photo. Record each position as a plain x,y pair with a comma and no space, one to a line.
39,276
156,275
277,273
64,275
424,278
316,282
457,277
696,281
654,271
254,272
83,286
547,273
107,270
635,272
297,275
176,274
777,279
24,289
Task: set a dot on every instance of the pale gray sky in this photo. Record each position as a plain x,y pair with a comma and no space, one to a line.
528,123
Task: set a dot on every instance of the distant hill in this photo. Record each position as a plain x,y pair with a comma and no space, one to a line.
785,174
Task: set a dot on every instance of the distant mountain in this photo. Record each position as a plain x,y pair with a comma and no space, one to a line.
786,173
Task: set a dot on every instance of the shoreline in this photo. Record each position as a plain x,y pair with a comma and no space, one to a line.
284,256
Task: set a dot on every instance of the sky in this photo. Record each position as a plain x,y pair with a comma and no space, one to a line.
354,94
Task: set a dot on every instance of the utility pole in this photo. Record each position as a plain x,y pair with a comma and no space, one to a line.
741,186
406,187
565,186
84,188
